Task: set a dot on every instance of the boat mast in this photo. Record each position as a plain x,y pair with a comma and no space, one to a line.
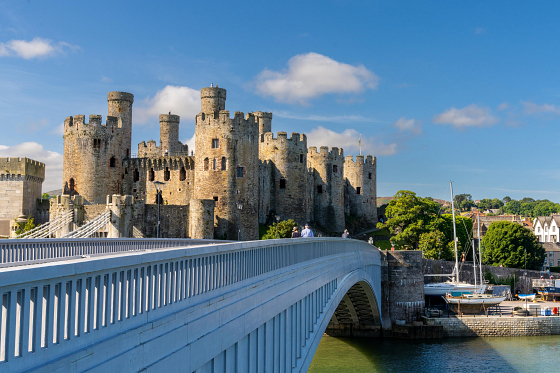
474,263
479,252
454,235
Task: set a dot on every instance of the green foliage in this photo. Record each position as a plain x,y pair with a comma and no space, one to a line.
530,207
284,230
510,280
25,227
45,196
464,228
433,246
409,217
463,202
487,203
505,243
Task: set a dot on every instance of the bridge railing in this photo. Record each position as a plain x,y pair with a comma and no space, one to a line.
23,251
50,310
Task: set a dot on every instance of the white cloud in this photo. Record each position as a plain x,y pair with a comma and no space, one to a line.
348,140
469,116
312,75
411,125
106,80
36,48
182,101
503,106
532,108
35,151
58,130
190,143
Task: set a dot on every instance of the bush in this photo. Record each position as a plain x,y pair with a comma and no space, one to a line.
285,228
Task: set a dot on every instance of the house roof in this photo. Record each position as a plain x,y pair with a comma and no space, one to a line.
550,246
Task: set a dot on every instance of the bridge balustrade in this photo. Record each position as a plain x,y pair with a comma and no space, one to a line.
29,251
53,309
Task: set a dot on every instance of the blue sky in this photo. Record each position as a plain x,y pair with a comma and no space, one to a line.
439,91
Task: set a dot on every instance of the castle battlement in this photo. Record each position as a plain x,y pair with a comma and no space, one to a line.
120,96
360,160
295,138
21,166
334,154
78,123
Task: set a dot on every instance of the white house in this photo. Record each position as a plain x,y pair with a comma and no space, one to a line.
546,228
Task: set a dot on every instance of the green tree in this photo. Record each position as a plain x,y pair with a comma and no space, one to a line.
513,207
45,196
434,246
409,216
463,226
464,202
285,228
506,199
25,227
505,243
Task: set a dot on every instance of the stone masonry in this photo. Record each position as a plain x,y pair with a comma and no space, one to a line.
241,174
21,181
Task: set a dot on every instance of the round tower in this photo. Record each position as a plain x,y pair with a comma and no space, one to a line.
328,186
265,122
169,133
120,106
227,166
213,99
361,187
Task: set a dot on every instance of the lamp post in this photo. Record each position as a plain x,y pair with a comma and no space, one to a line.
159,198
239,207
277,222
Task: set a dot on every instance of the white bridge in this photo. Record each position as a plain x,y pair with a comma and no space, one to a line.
129,305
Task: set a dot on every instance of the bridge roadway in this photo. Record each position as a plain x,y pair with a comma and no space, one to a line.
259,306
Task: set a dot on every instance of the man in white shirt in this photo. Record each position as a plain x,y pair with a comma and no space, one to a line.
307,232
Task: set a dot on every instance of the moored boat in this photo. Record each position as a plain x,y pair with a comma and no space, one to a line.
472,303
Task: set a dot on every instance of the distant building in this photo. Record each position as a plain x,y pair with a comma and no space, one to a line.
486,220
552,253
546,228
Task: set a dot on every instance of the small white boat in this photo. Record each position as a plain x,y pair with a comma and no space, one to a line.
530,297
440,289
472,303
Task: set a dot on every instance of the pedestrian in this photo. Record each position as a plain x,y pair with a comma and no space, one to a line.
345,234
295,233
307,232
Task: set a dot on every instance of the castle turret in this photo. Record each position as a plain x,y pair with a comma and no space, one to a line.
213,100
361,187
288,183
227,166
327,181
120,107
265,122
169,133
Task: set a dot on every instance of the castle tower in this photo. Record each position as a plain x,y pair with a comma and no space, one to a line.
227,166
361,187
120,106
94,152
265,122
327,181
287,158
169,133
21,181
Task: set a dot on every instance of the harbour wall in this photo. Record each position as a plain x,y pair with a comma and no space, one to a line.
494,326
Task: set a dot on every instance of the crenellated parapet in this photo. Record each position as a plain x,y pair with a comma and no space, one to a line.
21,169
77,126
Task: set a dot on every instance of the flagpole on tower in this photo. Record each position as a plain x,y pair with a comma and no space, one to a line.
360,144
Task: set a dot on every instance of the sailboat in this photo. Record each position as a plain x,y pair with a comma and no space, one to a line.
454,286
478,301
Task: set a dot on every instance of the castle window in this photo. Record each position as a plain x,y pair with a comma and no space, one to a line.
205,164
183,174
113,162
319,189
335,168
71,185
369,176
151,174
223,163
215,143
126,170
214,164
166,174
240,171
136,175
301,158
96,143
127,153
358,190
282,183
216,198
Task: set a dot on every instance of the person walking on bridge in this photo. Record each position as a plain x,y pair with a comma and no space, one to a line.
295,233
307,232
345,234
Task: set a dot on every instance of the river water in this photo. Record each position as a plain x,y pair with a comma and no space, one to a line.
492,354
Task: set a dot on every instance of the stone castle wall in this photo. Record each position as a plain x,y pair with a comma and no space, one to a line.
361,187
286,172
328,186
21,181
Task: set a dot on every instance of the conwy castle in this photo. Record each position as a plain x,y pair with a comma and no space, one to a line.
239,176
